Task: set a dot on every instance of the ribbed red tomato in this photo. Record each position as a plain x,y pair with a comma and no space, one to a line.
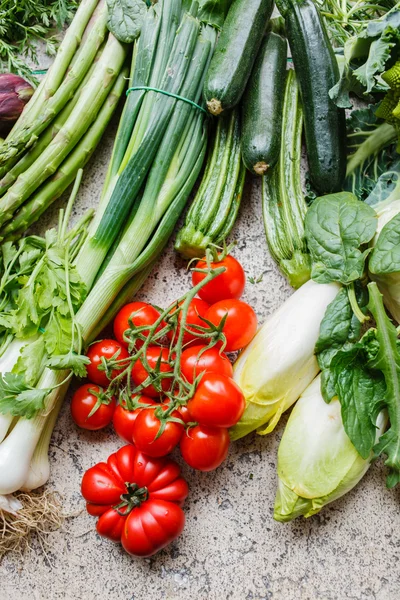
137,499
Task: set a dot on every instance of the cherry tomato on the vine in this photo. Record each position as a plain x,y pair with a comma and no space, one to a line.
197,308
107,349
141,314
218,401
146,428
123,419
229,284
83,402
240,325
205,448
140,374
185,414
210,361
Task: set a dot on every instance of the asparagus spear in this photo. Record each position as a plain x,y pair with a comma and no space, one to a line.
55,74
25,137
85,112
56,185
47,136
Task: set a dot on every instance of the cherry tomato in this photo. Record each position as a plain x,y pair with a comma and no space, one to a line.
149,493
197,308
229,284
139,373
83,402
241,323
185,414
146,428
218,401
205,448
124,419
210,361
107,349
141,314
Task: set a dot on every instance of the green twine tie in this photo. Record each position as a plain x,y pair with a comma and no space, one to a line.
151,89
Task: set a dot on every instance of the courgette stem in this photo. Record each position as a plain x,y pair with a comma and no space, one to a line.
284,205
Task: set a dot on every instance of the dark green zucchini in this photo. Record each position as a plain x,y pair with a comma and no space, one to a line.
236,51
262,106
317,72
214,209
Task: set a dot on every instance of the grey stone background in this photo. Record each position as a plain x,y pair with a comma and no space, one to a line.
231,547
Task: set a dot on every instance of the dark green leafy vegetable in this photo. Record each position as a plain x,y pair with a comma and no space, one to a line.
125,18
387,360
336,226
339,329
367,55
385,257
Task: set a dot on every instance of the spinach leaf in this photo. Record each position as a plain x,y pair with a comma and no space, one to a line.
213,12
387,360
385,257
336,226
361,393
339,329
125,18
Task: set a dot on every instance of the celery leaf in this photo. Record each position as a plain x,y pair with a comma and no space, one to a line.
74,362
18,399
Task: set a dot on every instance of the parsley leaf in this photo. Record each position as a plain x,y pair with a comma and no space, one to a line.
18,399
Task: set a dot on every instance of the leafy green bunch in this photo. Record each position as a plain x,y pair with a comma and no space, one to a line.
40,293
24,23
361,369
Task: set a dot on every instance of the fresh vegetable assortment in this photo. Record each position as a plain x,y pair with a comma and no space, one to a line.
209,82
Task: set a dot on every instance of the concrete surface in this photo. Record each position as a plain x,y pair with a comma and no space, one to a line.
231,547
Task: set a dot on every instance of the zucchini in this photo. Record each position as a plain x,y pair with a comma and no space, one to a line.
283,202
236,51
262,106
317,71
214,209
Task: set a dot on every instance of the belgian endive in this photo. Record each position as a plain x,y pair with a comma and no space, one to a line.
317,463
278,365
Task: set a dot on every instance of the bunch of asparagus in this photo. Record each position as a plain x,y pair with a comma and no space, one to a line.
63,122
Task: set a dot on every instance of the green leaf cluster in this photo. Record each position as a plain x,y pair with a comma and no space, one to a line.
25,22
367,55
336,226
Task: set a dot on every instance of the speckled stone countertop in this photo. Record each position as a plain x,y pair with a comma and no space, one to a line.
231,547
